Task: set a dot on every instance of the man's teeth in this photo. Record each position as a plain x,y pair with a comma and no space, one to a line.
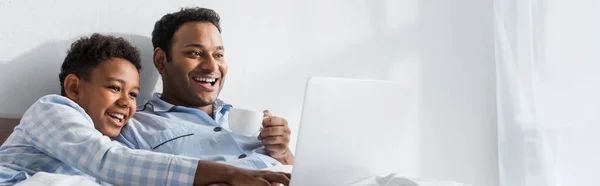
117,115
202,79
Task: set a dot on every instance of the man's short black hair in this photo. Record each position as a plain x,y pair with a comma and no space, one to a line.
87,53
164,29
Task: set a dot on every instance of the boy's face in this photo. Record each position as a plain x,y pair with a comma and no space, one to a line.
109,96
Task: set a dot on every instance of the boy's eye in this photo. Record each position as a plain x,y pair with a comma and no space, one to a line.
115,88
133,95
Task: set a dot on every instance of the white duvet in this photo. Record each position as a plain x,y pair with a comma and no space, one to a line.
392,179
50,179
397,180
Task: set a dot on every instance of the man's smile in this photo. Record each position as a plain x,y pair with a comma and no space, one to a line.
206,82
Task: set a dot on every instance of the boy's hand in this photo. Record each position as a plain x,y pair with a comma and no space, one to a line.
275,136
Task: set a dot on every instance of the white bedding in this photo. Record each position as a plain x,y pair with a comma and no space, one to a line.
397,180
385,180
49,179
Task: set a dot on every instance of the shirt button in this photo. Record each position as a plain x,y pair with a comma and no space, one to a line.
242,156
217,129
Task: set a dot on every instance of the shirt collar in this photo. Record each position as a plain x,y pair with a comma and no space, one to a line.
158,105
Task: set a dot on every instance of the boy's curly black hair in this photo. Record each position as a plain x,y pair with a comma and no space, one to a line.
164,29
87,53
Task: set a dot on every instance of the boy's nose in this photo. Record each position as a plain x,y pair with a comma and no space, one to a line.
123,102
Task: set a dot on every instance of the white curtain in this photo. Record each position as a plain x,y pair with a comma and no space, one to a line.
548,92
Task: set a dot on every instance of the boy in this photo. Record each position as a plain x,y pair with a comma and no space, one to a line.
73,133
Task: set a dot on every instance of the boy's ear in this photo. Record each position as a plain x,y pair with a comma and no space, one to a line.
160,60
71,85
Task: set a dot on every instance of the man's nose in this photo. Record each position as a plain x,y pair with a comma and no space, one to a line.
209,64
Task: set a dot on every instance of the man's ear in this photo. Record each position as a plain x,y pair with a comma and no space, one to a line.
160,60
71,85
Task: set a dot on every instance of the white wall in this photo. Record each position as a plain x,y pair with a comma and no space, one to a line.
442,48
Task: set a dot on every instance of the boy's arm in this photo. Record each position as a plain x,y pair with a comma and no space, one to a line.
61,129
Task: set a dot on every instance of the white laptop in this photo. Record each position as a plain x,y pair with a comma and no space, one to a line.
354,129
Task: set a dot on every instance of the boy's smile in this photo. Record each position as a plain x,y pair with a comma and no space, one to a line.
117,118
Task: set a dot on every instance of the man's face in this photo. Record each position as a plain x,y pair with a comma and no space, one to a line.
109,96
196,72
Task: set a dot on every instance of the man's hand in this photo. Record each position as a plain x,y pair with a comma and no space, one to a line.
257,178
275,136
260,178
218,174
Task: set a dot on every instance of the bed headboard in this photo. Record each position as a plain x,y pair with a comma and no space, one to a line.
6,127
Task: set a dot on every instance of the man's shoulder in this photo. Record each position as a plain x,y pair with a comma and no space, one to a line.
146,127
146,120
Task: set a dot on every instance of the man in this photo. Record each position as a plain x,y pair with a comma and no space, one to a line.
187,118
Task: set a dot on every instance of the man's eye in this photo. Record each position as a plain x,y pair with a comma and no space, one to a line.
220,55
115,88
196,53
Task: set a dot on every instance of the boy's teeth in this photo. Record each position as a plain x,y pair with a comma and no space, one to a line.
117,115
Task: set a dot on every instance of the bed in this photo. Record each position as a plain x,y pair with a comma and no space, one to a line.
6,127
